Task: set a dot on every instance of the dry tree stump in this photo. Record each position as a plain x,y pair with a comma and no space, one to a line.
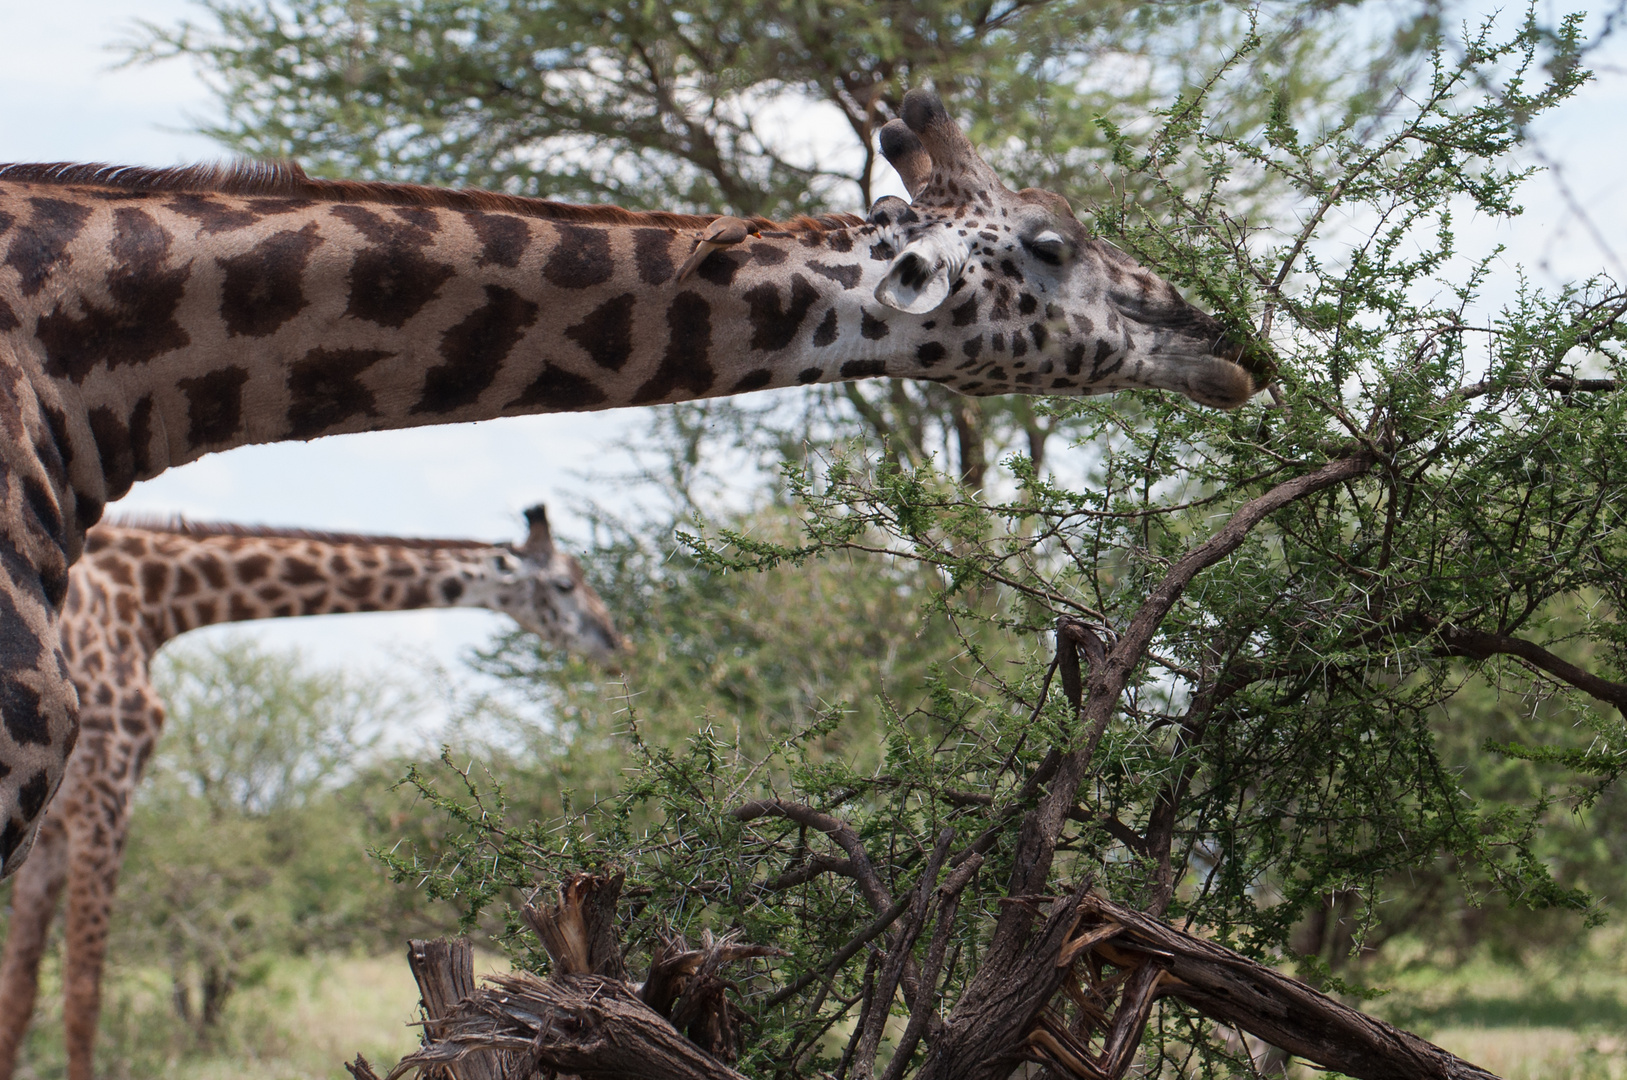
587,1020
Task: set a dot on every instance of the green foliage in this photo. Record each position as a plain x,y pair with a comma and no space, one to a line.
1280,740
256,732
871,641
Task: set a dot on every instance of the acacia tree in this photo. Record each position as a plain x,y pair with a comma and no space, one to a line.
705,106
1241,627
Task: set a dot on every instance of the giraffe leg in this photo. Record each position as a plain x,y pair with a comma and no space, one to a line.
34,896
95,856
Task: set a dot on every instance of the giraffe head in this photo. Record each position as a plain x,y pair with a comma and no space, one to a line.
543,589
1069,313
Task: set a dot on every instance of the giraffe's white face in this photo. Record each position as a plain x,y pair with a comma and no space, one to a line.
546,593
1062,310
1041,305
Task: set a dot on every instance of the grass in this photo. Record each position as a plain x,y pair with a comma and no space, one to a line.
1558,1014
303,1019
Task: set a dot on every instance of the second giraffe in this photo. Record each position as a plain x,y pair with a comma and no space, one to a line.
140,586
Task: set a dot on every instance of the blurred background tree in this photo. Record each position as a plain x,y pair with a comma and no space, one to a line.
244,842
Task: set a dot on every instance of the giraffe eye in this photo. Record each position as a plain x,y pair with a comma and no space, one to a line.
1048,247
565,584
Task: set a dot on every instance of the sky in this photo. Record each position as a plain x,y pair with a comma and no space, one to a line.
63,99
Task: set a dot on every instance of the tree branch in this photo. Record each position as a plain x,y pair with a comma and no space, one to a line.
864,872
969,1048
1559,383
1283,1011
1108,679
1479,645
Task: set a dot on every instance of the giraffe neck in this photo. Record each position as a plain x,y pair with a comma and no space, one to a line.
182,324
166,583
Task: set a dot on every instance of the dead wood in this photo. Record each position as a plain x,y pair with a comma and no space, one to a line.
1232,989
445,973
1014,1016
589,1025
579,933
680,1024
687,987
360,1069
583,1020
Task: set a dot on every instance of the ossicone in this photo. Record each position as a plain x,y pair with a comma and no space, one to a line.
904,152
539,539
952,155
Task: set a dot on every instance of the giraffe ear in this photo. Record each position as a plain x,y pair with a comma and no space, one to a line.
924,273
539,540
903,150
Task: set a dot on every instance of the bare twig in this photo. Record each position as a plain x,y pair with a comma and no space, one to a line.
898,956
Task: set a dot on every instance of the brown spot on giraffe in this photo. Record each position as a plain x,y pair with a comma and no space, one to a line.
213,215
686,364
847,275
325,389
774,325
652,253
474,351
580,257
393,280
40,244
503,237
139,324
264,286
825,333
752,380
214,409
606,332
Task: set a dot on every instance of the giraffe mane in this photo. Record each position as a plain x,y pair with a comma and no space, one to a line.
285,179
202,530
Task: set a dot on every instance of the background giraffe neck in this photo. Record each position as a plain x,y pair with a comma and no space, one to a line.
178,582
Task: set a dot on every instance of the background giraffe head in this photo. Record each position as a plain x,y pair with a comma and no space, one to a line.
542,588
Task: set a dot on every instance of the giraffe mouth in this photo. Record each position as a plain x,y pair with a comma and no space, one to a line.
1216,367
1253,357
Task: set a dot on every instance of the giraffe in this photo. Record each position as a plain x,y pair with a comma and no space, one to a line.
141,585
148,317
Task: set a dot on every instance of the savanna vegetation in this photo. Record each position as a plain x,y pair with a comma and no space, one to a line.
1350,660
